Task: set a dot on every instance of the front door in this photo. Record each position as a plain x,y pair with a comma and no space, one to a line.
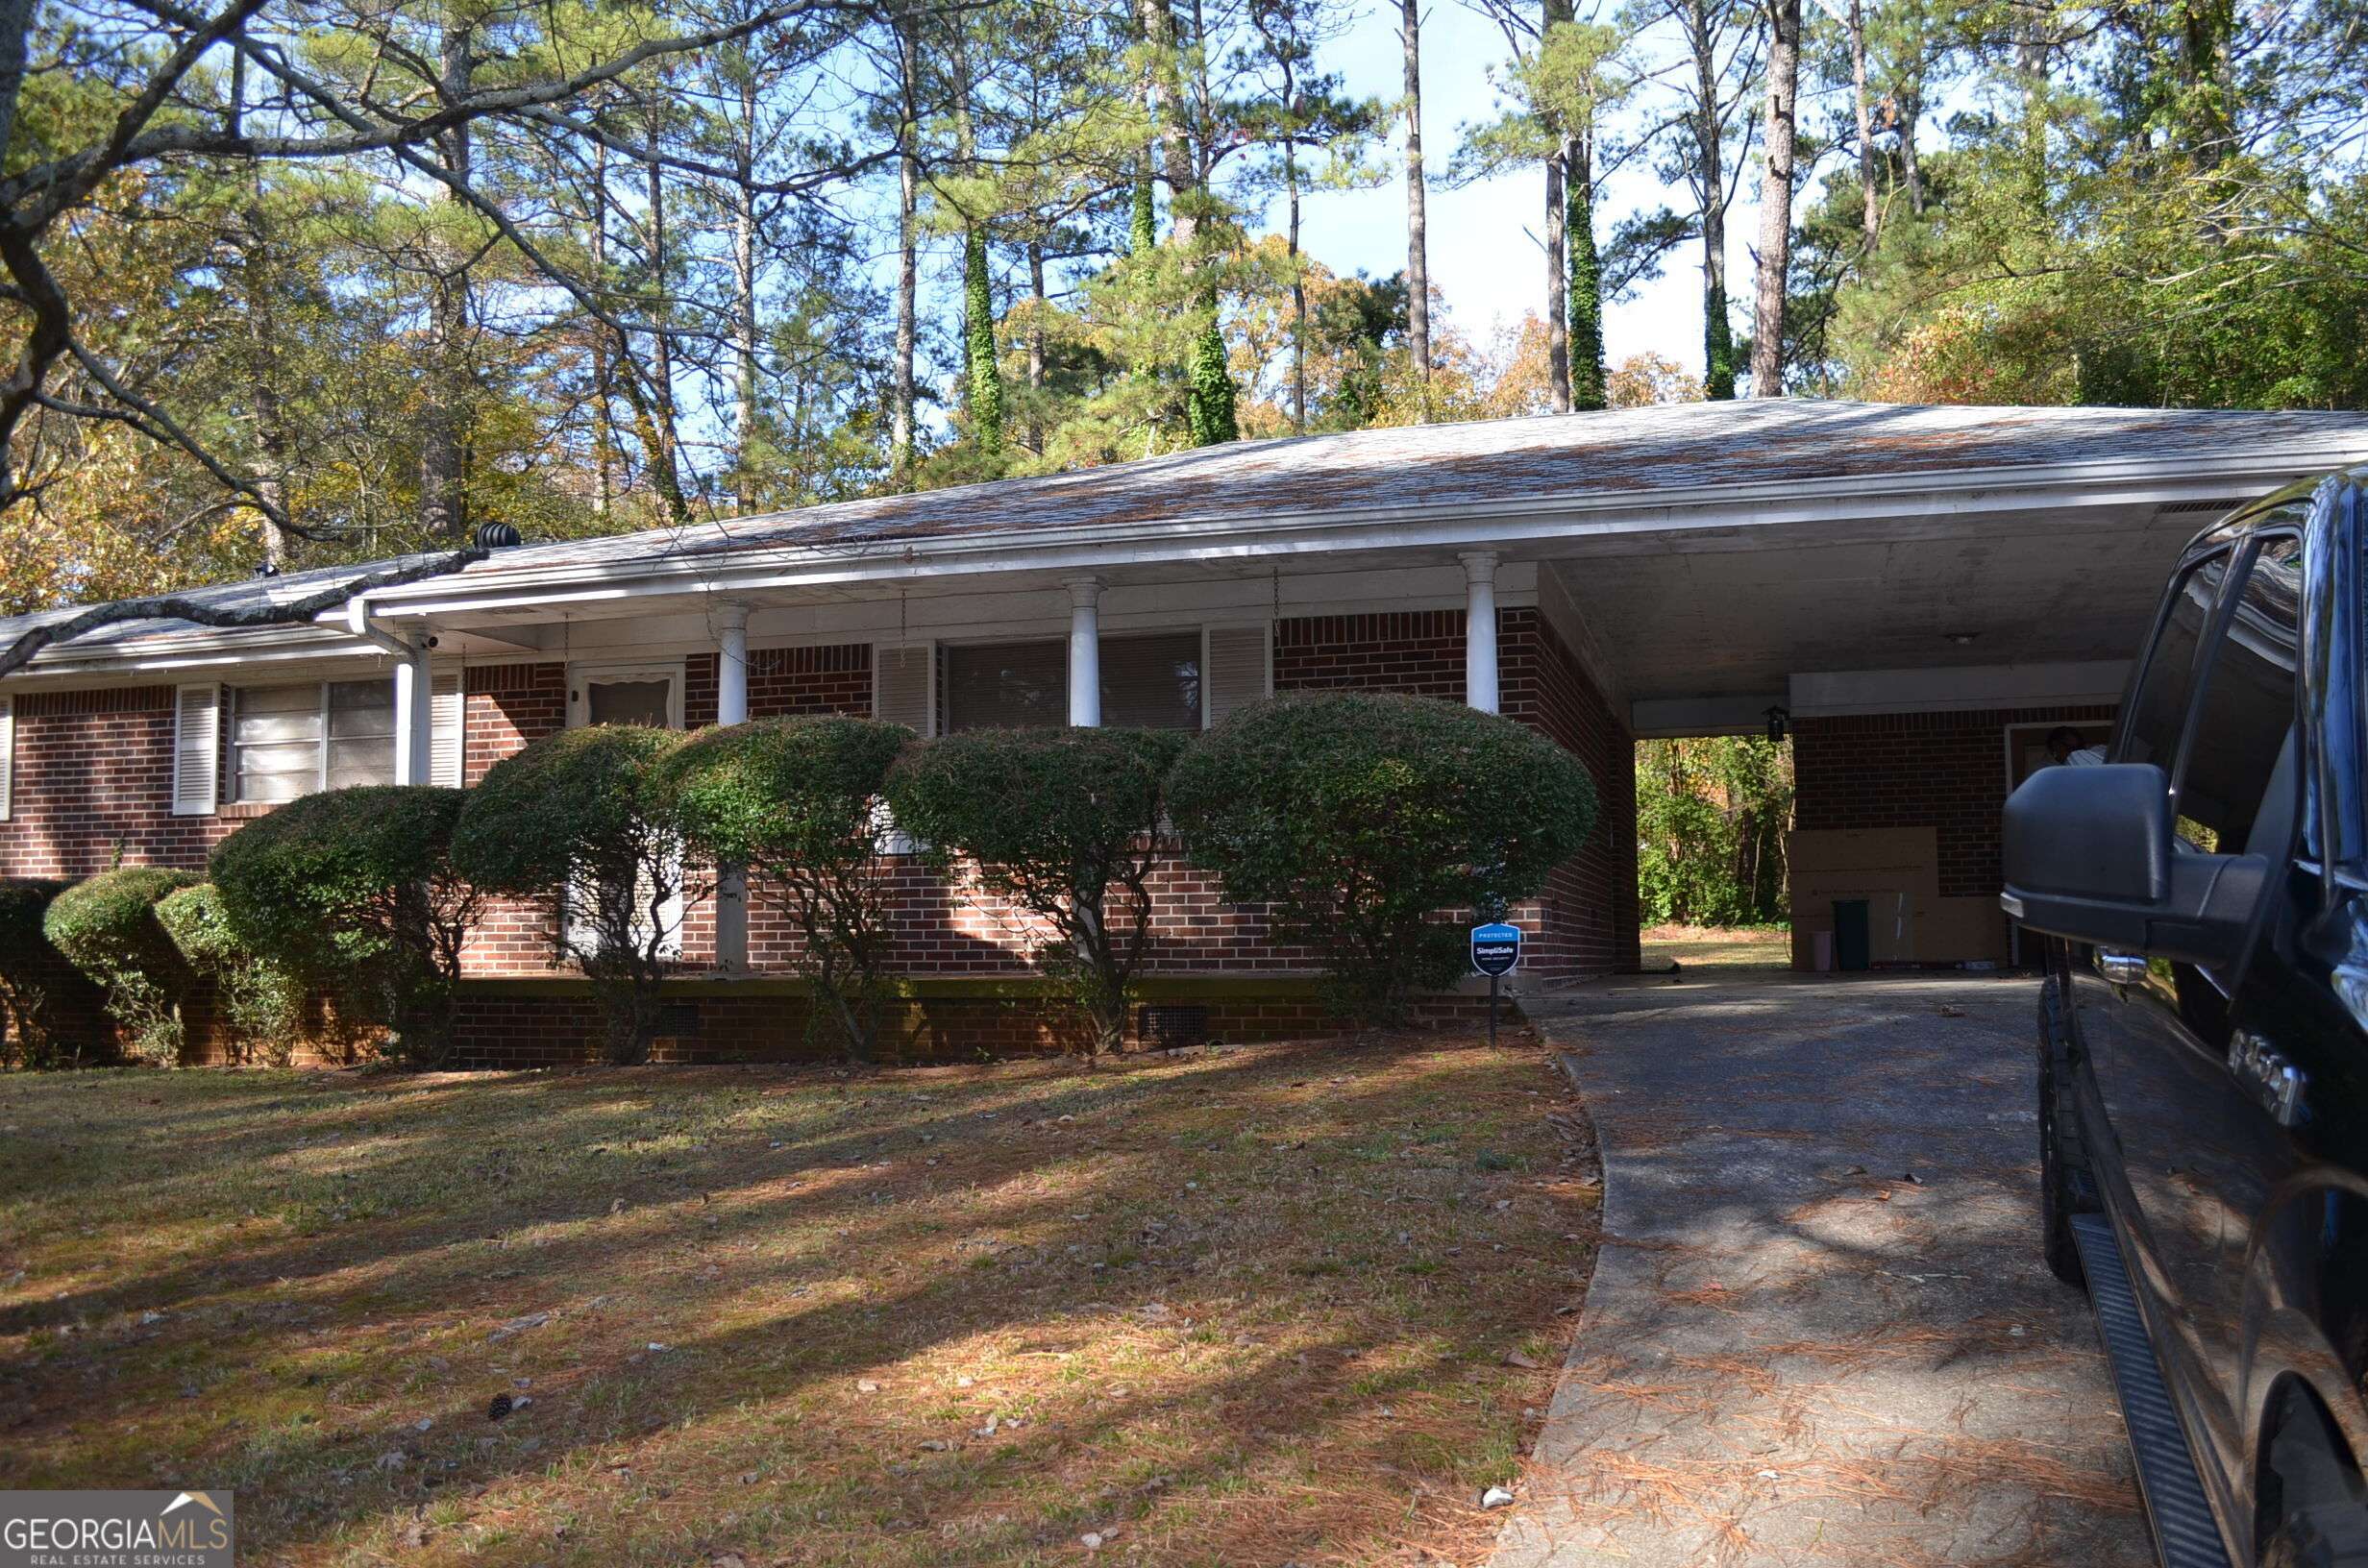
633,693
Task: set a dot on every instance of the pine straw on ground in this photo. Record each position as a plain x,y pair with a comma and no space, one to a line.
1287,1304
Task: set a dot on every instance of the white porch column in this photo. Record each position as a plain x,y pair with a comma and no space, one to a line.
414,716
1480,628
731,707
732,667
1084,652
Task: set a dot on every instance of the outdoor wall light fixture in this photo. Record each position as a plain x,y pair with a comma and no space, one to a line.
1779,719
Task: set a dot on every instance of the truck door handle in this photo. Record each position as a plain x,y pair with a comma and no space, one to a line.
2121,969
2268,1076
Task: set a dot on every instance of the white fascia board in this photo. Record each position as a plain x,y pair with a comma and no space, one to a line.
73,664
1498,523
1833,694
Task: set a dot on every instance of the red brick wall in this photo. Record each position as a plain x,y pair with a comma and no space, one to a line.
1420,652
1946,770
93,774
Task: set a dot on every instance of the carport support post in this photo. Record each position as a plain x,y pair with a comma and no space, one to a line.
414,715
731,707
1480,629
1084,652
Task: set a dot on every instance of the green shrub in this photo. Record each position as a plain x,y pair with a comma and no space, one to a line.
1064,824
574,823
797,803
42,996
260,1000
353,892
106,927
1361,814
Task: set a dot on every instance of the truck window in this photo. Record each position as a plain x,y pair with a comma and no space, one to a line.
2247,705
2151,730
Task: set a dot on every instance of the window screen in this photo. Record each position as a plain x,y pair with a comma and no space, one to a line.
361,733
276,742
287,741
1006,686
2248,706
1151,682
2150,733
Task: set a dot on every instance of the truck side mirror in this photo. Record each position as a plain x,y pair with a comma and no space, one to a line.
2090,855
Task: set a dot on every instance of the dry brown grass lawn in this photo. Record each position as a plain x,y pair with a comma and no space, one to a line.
1247,1307
1718,947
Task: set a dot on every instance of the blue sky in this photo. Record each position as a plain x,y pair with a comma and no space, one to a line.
1483,255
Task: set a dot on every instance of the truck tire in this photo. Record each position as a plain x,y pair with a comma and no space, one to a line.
2314,1506
2059,1152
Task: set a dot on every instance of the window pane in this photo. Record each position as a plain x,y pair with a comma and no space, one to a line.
275,742
362,762
2150,733
360,709
1007,686
1151,682
630,701
2248,706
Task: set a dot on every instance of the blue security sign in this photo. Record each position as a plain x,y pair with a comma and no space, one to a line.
1495,948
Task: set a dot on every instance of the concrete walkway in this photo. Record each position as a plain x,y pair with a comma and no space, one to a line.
1820,1330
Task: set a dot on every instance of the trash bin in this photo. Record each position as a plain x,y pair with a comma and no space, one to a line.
1850,933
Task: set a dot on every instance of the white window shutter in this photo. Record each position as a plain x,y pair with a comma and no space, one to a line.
1239,668
903,680
448,722
197,749
7,751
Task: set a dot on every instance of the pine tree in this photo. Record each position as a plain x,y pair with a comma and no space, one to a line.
985,375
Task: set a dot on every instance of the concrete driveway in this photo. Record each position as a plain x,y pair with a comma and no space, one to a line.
1820,1330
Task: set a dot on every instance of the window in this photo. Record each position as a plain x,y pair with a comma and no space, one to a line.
1147,682
1006,686
2247,715
287,741
1151,682
2151,731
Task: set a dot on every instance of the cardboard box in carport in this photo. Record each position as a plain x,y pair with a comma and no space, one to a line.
1895,870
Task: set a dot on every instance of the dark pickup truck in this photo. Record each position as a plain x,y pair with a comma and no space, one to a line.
2203,1061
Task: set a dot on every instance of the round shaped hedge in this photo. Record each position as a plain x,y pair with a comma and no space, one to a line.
1032,801
314,883
782,791
259,997
106,927
1361,814
574,801
43,997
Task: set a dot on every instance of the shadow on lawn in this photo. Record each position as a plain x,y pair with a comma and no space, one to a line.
678,1417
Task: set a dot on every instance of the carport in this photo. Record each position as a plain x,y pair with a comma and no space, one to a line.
1919,621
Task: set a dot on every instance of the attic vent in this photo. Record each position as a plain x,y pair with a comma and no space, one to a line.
495,537
2199,508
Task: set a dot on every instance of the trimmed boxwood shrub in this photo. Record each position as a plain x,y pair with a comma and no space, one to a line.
576,823
1063,822
795,803
259,999
353,891
106,927
1360,815
42,996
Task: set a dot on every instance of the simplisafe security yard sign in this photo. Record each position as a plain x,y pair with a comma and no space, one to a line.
1495,948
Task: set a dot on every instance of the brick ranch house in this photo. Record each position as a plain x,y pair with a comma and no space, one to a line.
1919,594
